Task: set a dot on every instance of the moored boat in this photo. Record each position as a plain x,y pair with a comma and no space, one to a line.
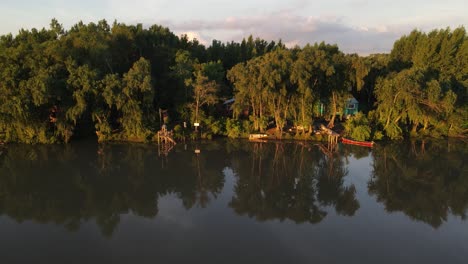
257,136
358,143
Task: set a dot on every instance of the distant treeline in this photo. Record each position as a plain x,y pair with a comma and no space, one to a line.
121,82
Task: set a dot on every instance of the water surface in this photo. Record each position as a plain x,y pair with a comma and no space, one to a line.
235,202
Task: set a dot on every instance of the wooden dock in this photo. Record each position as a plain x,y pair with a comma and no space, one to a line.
165,136
332,135
165,141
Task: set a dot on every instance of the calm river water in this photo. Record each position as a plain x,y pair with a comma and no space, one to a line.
235,202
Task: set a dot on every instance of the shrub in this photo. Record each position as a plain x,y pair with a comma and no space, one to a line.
237,129
357,127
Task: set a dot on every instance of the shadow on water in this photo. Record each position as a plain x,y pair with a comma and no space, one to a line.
70,184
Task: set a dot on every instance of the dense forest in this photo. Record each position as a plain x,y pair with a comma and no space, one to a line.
123,82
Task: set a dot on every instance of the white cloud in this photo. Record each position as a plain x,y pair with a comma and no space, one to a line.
360,26
191,35
293,30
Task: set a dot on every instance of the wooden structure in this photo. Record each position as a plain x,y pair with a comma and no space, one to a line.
332,135
165,141
165,136
327,150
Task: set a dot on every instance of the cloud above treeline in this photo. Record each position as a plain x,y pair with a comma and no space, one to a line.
357,26
292,30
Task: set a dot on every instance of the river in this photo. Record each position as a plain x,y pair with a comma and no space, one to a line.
234,202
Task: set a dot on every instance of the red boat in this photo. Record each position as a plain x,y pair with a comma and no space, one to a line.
358,143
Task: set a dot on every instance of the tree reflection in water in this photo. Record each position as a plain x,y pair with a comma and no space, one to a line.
426,180
72,184
69,185
290,181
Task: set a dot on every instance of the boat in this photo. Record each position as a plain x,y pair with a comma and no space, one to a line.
256,137
358,143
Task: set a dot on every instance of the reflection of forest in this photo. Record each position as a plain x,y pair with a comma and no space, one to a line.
67,185
290,181
427,180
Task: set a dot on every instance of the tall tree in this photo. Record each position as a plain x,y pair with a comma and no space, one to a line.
204,93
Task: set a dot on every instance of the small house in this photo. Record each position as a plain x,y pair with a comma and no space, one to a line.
226,107
352,106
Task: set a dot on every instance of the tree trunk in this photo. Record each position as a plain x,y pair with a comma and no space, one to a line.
261,117
278,123
254,113
426,124
196,114
390,112
303,115
414,128
331,124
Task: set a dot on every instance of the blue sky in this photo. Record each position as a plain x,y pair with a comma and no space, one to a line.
361,26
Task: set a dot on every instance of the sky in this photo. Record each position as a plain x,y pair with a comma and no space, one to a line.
357,26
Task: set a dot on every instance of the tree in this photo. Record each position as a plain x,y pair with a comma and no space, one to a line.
183,70
302,75
249,92
57,83
426,93
136,102
274,75
338,83
409,99
204,93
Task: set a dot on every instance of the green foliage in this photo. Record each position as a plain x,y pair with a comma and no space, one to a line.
213,127
204,93
136,104
283,85
111,80
427,93
217,127
237,129
178,132
358,128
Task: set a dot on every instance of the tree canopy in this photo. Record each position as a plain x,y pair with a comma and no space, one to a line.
113,80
